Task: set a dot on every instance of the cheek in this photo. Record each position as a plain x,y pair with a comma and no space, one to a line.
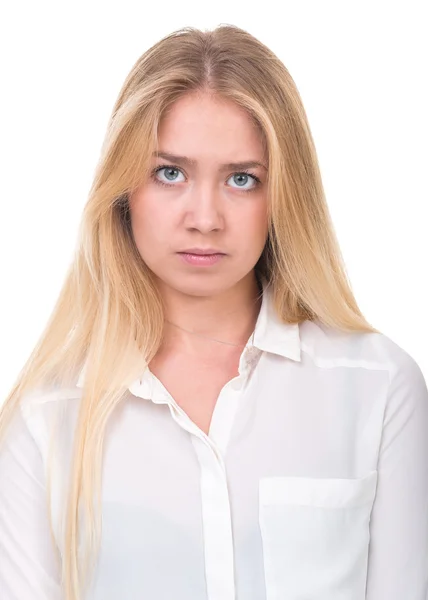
144,231
257,221
148,221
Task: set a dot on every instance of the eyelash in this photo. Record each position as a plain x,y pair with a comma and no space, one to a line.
246,172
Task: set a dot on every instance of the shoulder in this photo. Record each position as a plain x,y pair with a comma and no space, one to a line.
329,346
44,410
41,399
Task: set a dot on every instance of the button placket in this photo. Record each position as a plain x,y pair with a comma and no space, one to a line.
217,525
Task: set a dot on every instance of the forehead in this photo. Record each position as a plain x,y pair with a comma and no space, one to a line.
205,124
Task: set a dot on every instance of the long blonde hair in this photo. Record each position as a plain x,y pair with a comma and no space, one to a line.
109,314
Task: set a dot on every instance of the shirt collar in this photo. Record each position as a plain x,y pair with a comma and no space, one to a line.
273,335
270,333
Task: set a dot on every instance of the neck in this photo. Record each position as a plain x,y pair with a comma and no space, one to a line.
229,316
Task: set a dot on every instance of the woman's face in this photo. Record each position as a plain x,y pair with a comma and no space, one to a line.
203,201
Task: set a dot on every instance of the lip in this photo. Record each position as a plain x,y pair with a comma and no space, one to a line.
200,260
201,251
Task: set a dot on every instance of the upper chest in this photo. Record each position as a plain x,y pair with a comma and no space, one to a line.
196,385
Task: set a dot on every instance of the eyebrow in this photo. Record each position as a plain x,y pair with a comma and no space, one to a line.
185,160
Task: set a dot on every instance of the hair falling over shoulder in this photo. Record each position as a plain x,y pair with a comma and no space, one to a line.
109,315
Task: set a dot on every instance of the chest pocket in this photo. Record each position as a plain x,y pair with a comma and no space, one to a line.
315,536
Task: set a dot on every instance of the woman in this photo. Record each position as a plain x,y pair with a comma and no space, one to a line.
208,415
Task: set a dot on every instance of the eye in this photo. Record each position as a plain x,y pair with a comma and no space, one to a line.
170,174
243,178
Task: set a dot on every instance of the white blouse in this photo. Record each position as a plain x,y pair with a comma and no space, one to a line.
312,483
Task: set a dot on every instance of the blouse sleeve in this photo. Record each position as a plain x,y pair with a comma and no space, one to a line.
29,566
398,551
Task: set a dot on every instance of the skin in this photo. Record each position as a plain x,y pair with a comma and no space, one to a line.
205,206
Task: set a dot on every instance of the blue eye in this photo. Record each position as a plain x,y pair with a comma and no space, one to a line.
170,172
246,175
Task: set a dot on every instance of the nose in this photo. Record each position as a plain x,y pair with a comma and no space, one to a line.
204,208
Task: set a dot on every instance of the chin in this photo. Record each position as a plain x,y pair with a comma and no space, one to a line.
203,284
199,288
200,284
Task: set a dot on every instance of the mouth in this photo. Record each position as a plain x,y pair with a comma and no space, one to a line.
206,259
202,252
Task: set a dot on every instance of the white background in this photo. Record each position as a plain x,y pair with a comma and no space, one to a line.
361,69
